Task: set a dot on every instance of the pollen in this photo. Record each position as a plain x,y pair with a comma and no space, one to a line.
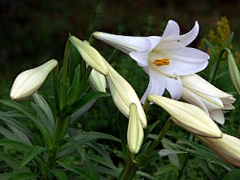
161,62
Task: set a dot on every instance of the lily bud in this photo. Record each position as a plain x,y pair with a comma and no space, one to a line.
123,95
227,147
135,132
89,54
98,81
29,81
188,116
234,71
212,100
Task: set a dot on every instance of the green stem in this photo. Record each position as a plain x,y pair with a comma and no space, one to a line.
128,172
146,106
211,79
91,40
56,138
111,58
160,136
85,79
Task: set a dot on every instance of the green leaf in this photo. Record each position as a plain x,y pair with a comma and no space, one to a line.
76,170
42,103
31,154
167,152
74,91
101,149
85,137
15,123
104,162
166,169
15,145
85,99
9,135
211,175
122,124
145,175
88,163
30,115
43,118
233,175
205,153
228,41
5,176
20,135
24,176
59,174
11,162
212,48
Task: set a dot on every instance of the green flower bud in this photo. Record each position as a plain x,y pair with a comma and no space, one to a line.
234,71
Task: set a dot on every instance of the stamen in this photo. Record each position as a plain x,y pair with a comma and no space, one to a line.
161,62
174,76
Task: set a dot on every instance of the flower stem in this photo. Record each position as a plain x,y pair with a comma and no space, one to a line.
56,138
146,106
160,136
128,172
111,58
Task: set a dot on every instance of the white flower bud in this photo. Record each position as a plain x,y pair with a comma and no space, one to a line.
123,95
89,54
98,81
188,116
135,132
227,147
29,81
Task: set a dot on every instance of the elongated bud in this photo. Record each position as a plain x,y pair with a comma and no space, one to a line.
234,71
98,81
227,147
135,132
123,95
92,57
29,81
188,116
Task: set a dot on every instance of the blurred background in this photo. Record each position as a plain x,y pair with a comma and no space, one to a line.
34,31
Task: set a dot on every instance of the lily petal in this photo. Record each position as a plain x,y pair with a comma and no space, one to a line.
187,38
156,85
217,115
174,87
203,86
191,97
172,30
125,44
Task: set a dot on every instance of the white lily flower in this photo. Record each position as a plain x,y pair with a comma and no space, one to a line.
29,81
124,95
164,58
98,81
212,100
135,132
188,116
227,147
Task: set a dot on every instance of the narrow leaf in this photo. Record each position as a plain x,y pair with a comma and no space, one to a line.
31,154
